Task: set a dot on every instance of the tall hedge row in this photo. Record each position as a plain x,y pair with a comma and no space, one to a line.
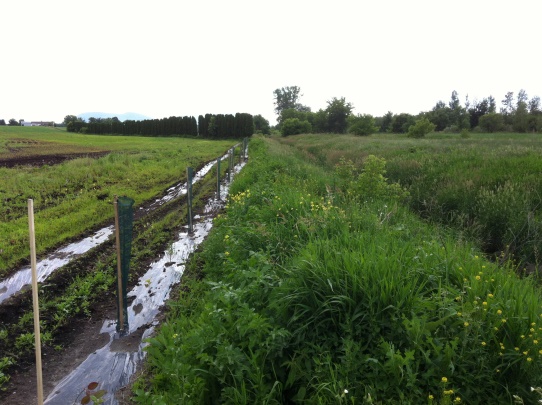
213,126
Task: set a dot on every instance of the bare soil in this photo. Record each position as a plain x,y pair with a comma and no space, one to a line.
77,344
41,160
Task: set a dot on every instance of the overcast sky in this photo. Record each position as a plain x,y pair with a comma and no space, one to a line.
173,57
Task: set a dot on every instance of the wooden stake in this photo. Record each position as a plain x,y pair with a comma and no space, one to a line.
119,267
35,302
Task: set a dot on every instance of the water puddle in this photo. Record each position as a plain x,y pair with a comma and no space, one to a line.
114,364
63,256
45,267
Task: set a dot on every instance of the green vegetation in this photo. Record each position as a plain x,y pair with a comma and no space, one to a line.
487,186
320,287
294,126
75,196
420,128
218,126
518,114
361,124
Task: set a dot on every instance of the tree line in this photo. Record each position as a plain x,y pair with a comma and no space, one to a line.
214,126
12,122
221,126
517,114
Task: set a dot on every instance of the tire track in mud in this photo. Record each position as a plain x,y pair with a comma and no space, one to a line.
59,258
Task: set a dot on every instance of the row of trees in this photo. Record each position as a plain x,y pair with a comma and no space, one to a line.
157,127
519,114
12,122
208,126
225,125
294,117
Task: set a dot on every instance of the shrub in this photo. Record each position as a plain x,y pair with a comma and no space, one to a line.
370,184
492,122
362,124
420,128
294,126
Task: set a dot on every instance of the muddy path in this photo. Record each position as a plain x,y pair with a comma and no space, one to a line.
84,333
42,160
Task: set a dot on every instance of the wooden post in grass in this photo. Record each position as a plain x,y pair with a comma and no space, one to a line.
119,267
35,302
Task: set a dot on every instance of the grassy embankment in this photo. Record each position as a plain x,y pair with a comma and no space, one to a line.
324,288
76,196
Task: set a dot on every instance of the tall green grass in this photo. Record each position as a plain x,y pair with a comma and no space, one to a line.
489,186
312,294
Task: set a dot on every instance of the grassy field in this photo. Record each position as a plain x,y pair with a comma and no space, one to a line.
322,287
489,185
76,195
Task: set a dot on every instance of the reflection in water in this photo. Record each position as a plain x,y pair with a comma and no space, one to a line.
63,256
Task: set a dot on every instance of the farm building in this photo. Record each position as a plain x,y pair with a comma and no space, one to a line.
38,124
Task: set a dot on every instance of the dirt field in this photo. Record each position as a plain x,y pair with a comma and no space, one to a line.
41,160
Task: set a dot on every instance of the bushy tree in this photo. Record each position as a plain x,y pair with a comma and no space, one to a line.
320,122
288,98
478,109
401,123
12,122
421,128
293,113
386,121
521,117
440,115
261,125
361,124
294,126
71,118
2,122
338,111
491,122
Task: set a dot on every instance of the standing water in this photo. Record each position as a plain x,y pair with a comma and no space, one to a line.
114,364
65,255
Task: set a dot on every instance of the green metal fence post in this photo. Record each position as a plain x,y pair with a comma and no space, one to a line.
189,177
218,179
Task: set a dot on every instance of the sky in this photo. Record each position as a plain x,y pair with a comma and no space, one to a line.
174,57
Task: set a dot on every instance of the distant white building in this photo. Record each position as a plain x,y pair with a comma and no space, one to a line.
37,124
